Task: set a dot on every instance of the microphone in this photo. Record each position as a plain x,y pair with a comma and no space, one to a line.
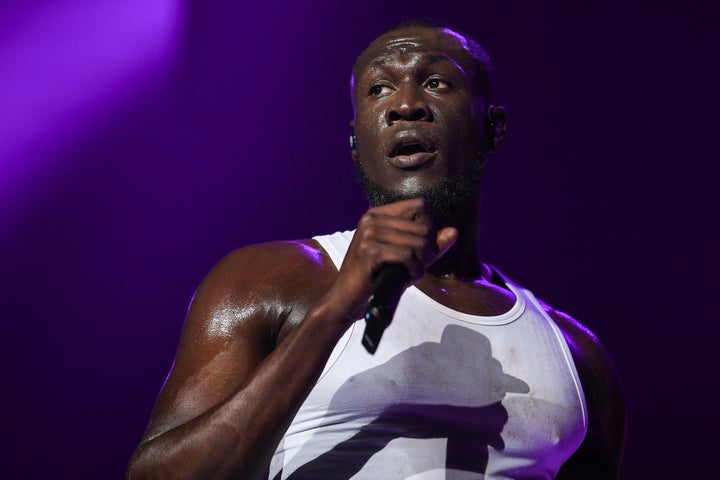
389,286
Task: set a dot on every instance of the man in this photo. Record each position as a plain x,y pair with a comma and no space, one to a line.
474,378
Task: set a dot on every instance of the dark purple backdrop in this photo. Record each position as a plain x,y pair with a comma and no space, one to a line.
140,141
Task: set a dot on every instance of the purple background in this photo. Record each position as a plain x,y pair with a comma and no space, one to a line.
140,141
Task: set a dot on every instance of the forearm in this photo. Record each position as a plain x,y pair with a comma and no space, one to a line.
236,439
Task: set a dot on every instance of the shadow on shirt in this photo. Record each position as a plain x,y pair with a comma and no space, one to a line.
449,390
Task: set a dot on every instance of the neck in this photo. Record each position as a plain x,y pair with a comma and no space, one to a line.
462,261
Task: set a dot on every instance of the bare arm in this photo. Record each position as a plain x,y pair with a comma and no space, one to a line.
218,408
600,455
257,337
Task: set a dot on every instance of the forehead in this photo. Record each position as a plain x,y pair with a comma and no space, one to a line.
432,42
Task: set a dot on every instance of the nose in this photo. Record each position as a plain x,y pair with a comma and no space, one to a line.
408,105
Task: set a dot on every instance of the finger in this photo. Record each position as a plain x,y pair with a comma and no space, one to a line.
375,225
405,256
445,239
411,208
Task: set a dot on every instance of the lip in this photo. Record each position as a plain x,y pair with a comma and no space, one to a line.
412,161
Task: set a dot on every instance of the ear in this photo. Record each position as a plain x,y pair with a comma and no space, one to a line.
353,140
496,125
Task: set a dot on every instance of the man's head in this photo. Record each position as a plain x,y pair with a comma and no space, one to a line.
480,67
423,120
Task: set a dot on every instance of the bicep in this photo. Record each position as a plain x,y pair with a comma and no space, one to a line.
245,306
600,454
224,338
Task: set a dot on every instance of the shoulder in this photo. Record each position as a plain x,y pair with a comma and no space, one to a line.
239,313
268,264
264,285
592,360
605,440
585,346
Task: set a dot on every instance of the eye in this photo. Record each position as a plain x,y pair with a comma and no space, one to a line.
377,90
437,84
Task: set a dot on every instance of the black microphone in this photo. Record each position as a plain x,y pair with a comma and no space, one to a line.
389,286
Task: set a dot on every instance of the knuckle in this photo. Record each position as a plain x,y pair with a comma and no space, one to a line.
366,218
371,231
367,229
367,249
420,204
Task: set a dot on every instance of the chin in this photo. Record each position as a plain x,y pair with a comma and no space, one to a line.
446,199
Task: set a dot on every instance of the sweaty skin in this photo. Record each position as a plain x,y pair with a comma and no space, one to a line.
265,319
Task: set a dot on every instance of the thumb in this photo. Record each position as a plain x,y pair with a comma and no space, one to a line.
445,239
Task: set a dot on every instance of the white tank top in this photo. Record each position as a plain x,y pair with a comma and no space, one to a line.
447,395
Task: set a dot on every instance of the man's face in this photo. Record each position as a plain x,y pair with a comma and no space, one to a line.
418,122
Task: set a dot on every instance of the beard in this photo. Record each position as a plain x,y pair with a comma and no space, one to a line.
445,200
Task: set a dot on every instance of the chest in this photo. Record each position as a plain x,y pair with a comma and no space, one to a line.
504,386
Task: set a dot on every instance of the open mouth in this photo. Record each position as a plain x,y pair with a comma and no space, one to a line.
410,148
